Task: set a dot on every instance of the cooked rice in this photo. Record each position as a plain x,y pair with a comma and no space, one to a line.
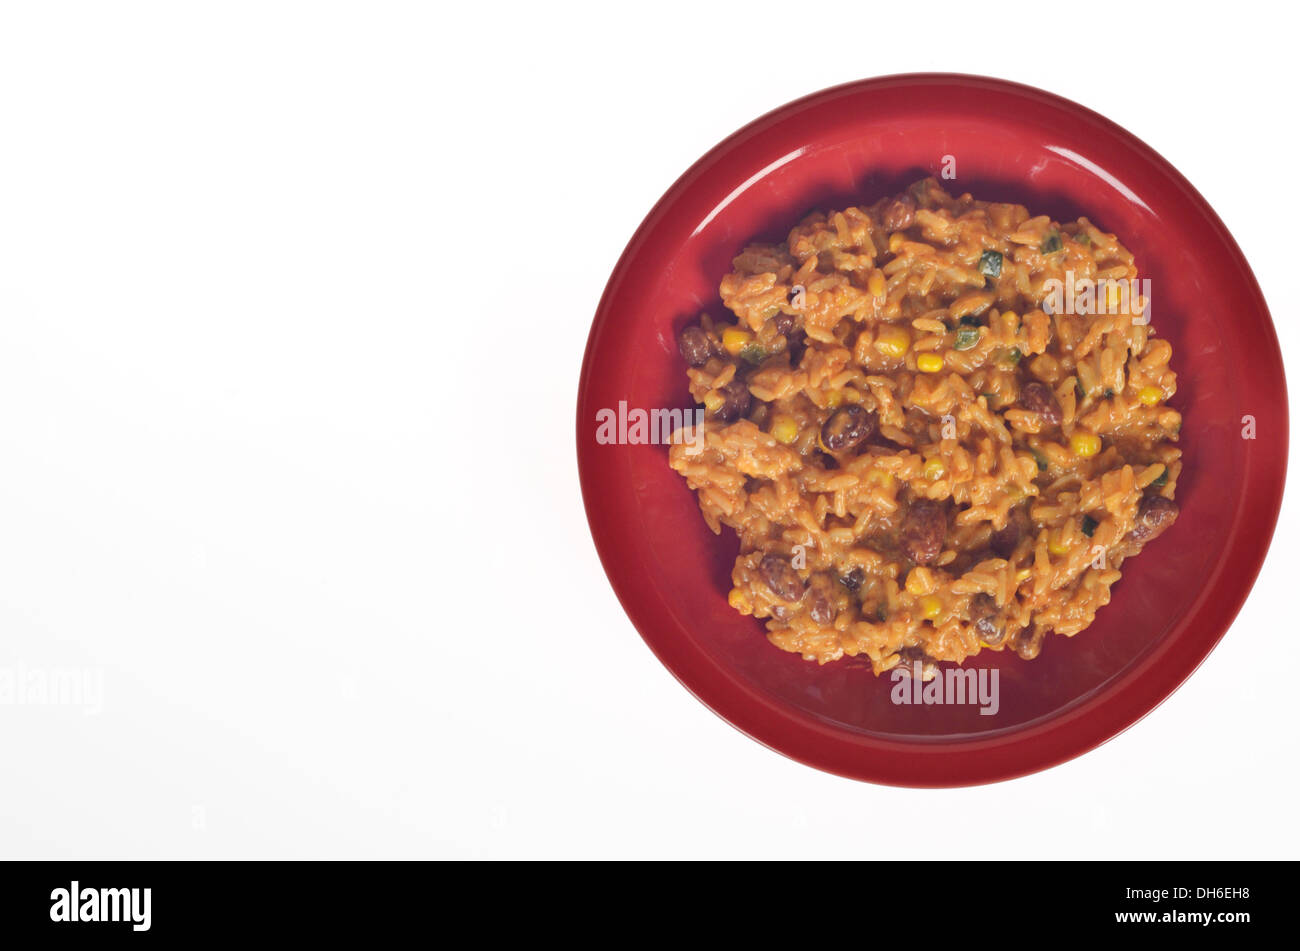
1037,493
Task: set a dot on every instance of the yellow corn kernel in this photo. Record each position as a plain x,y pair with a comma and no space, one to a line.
876,284
1150,395
1114,297
896,242
880,478
785,429
1023,575
736,598
1085,444
713,401
834,398
929,363
1056,544
893,341
935,469
734,340
930,608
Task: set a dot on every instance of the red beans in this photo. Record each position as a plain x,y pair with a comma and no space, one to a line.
1155,514
921,536
822,611
899,213
1026,643
736,399
853,580
694,345
909,657
796,346
1038,398
848,427
984,615
781,577
1005,540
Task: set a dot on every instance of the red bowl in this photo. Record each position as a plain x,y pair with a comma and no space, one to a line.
852,145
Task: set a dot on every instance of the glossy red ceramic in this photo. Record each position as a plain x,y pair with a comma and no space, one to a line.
852,145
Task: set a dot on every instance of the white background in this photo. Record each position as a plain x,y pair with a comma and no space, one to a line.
328,556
